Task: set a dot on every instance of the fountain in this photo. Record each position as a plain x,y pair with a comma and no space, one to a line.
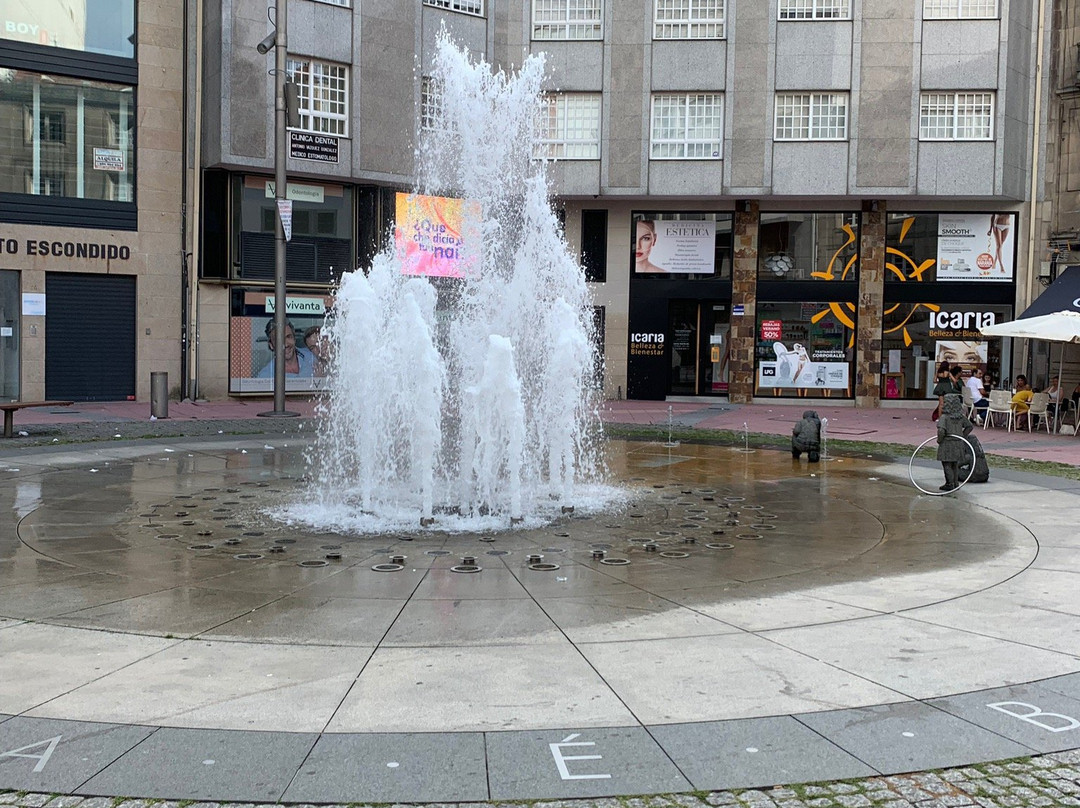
468,401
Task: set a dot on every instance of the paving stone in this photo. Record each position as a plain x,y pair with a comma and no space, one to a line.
106,802
8,797
717,798
34,800
843,788
821,802
853,800
64,802
816,791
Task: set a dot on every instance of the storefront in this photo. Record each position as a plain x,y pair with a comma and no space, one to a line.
807,285
328,221
680,304
948,276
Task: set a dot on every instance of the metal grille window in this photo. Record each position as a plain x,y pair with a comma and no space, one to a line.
570,127
324,95
567,19
811,116
689,19
960,9
815,9
956,116
687,126
465,6
430,104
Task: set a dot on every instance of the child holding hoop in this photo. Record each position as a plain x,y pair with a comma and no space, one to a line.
951,453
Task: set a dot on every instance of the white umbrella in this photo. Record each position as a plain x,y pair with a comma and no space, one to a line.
1061,326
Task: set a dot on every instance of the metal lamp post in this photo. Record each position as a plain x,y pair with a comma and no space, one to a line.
281,42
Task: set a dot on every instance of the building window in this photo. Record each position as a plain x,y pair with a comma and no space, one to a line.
960,9
956,116
811,116
687,126
570,127
342,3
464,6
689,19
593,256
66,137
430,104
568,19
808,247
815,9
324,95
90,27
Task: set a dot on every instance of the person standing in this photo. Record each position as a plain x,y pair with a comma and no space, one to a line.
942,388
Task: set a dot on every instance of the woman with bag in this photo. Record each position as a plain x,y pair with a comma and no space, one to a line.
943,388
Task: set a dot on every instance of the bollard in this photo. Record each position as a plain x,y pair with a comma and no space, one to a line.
159,394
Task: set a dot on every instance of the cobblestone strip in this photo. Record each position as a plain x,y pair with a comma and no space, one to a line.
1042,782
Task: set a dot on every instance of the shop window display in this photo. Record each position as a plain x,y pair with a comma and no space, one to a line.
803,349
916,337
808,246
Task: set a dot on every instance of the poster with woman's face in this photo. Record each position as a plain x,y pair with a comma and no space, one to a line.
674,246
971,356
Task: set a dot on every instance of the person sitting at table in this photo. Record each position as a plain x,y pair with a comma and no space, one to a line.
1056,395
1021,401
978,395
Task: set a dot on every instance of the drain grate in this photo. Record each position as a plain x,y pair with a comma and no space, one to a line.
615,562
748,536
168,535
388,567
552,550
248,556
201,547
721,546
329,546
674,554
465,568
498,552
313,564
544,567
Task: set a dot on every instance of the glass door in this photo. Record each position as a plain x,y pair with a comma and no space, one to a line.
700,349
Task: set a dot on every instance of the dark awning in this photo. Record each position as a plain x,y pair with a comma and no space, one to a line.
1062,295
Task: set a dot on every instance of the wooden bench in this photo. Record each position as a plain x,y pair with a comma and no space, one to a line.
9,408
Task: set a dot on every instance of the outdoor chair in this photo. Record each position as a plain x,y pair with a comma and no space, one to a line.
1038,409
969,402
1000,404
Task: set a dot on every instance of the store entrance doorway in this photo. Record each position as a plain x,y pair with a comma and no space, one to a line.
700,348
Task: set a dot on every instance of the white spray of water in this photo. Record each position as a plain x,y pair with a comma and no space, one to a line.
472,401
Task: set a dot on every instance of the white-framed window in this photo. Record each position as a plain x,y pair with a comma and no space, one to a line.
811,116
568,19
464,6
430,104
815,9
960,9
687,126
343,3
688,19
324,95
956,116
570,126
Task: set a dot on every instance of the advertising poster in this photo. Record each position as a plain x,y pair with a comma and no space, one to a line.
720,358
976,246
252,345
670,246
794,367
437,236
969,355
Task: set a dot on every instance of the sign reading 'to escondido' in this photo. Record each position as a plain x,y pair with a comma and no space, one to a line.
66,249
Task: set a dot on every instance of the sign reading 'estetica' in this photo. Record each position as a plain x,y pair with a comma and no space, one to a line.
66,249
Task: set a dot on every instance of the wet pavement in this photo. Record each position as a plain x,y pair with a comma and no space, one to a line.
778,622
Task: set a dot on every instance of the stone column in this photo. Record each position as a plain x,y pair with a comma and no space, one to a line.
868,365
744,293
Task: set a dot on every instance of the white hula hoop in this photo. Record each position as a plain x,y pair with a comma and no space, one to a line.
911,462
